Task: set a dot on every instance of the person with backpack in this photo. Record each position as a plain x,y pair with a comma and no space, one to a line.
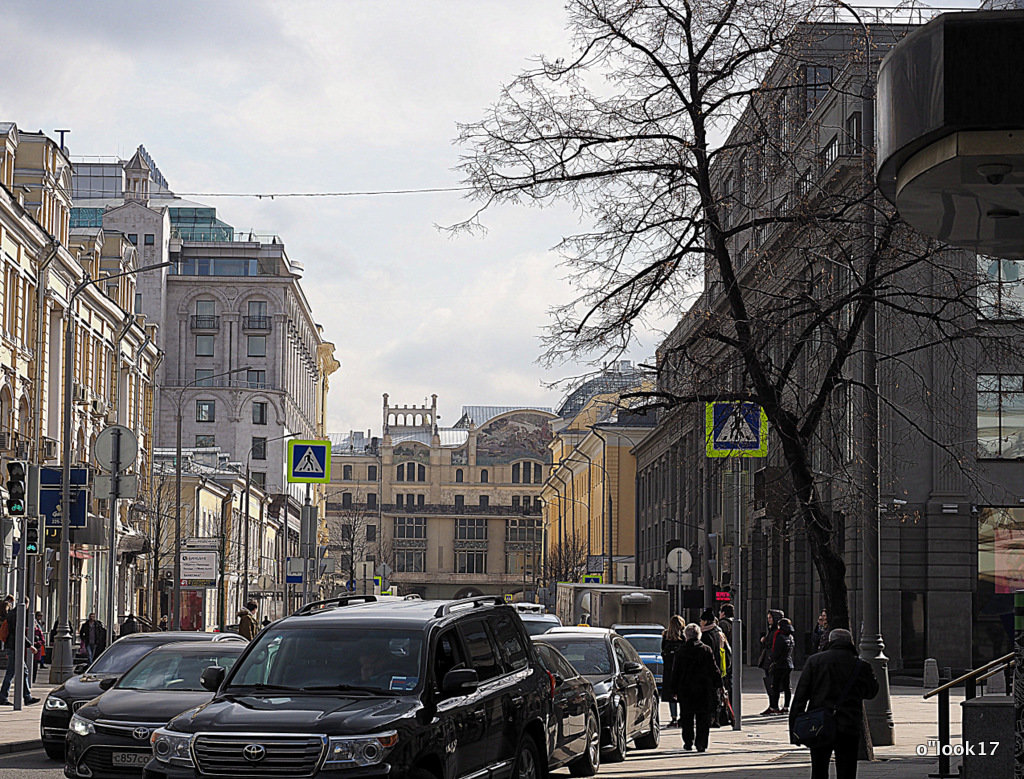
717,641
671,642
833,684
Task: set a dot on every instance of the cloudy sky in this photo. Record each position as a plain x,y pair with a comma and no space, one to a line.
255,96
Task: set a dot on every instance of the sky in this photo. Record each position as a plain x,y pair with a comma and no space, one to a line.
360,95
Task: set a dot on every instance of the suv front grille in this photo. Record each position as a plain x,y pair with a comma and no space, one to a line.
282,755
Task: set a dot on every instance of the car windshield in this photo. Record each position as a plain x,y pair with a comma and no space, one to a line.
325,659
536,627
648,645
588,656
119,657
172,671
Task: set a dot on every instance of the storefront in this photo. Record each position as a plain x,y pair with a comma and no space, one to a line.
1000,573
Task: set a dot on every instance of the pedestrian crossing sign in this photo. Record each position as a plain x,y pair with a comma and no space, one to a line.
309,462
736,429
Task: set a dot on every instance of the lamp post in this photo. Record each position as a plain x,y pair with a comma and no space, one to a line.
61,669
175,623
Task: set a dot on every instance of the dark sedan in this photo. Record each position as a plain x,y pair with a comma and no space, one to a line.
627,695
66,699
574,725
110,735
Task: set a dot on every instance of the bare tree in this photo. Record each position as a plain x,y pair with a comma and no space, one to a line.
690,137
347,538
566,561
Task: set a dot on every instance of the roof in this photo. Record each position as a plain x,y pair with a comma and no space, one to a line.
450,437
480,415
412,614
202,647
571,630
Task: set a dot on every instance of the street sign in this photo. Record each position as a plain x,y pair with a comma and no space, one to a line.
128,448
507,597
679,559
364,570
50,494
674,579
309,462
350,585
127,485
735,429
384,570
294,567
625,572
198,569
197,544
592,578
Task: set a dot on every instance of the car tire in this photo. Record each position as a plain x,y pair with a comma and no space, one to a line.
652,737
528,762
617,751
588,763
54,751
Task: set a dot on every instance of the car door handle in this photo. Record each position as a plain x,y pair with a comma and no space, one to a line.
518,700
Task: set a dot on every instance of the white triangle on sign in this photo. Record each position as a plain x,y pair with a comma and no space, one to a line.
737,430
309,463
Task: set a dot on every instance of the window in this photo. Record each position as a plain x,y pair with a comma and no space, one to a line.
371,500
523,530
206,307
460,501
138,302
817,81
257,346
853,133
399,499
346,500
410,471
259,412
830,153
256,379
515,475
410,527
257,308
1000,416
485,501
510,643
133,239
204,346
400,473
346,532
259,478
346,473
410,561
449,655
458,476
371,473
471,562
259,448
203,441
538,473
371,532
204,377
483,476
482,657
519,562
515,501
421,473
1000,288
205,410
148,239
471,529
421,500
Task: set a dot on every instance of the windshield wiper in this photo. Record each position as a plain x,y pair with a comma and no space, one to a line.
348,688
261,686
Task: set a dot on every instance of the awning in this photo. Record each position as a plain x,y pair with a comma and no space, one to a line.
130,540
81,555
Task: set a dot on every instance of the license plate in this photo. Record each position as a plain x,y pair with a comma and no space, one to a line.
134,759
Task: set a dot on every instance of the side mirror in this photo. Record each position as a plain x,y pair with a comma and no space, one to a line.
632,667
80,668
559,679
212,677
106,684
460,681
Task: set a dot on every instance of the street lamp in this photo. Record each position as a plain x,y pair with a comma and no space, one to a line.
176,600
62,667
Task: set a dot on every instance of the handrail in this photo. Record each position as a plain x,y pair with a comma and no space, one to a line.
480,600
995,671
970,675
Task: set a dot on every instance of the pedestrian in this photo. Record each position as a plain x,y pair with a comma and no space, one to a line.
819,637
764,659
725,617
93,636
248,627
835,680
696,681
129,626
671,642
711,635
163,622
781,665
39,642
12,626
265,622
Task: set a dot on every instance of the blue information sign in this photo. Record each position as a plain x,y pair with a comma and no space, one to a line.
50,496
309,462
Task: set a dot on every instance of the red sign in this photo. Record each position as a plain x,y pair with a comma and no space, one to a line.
722,596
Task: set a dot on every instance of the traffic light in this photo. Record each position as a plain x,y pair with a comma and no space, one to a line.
32,545
16,488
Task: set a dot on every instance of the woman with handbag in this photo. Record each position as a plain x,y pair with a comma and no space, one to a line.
671,642
827,706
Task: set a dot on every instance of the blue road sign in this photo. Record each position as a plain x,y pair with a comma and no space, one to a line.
736,429
350,585
309,462
50,495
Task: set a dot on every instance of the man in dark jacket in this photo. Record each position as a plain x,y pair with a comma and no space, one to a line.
695,683
825,678
764,661
129,626
93,636
781,665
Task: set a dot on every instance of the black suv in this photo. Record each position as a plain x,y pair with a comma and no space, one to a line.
418,689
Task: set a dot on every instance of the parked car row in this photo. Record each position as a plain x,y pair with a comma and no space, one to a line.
407,688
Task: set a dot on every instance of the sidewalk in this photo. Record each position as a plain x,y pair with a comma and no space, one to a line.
19,730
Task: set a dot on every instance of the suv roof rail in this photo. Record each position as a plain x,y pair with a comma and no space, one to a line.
343,600
477,602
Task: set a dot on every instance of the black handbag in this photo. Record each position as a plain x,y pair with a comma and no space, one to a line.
817,727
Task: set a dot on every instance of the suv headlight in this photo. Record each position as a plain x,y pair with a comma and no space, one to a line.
55,703
171,747
82,726
348,751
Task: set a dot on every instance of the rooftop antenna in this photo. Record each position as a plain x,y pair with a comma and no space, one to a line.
62,133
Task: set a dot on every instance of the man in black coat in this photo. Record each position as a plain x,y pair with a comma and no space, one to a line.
826,677
695,682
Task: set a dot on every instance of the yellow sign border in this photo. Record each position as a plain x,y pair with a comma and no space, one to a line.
325,479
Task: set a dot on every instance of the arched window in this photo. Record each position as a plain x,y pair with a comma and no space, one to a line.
410,471
515,473
483,476
421,473
458,476
400,472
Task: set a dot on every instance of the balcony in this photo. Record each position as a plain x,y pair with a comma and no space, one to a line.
256,322
468,510
205,322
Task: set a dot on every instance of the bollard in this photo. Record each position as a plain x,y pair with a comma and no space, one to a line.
1018,684
931,673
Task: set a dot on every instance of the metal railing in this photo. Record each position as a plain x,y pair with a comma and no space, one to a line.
261,322
970,682
205,322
